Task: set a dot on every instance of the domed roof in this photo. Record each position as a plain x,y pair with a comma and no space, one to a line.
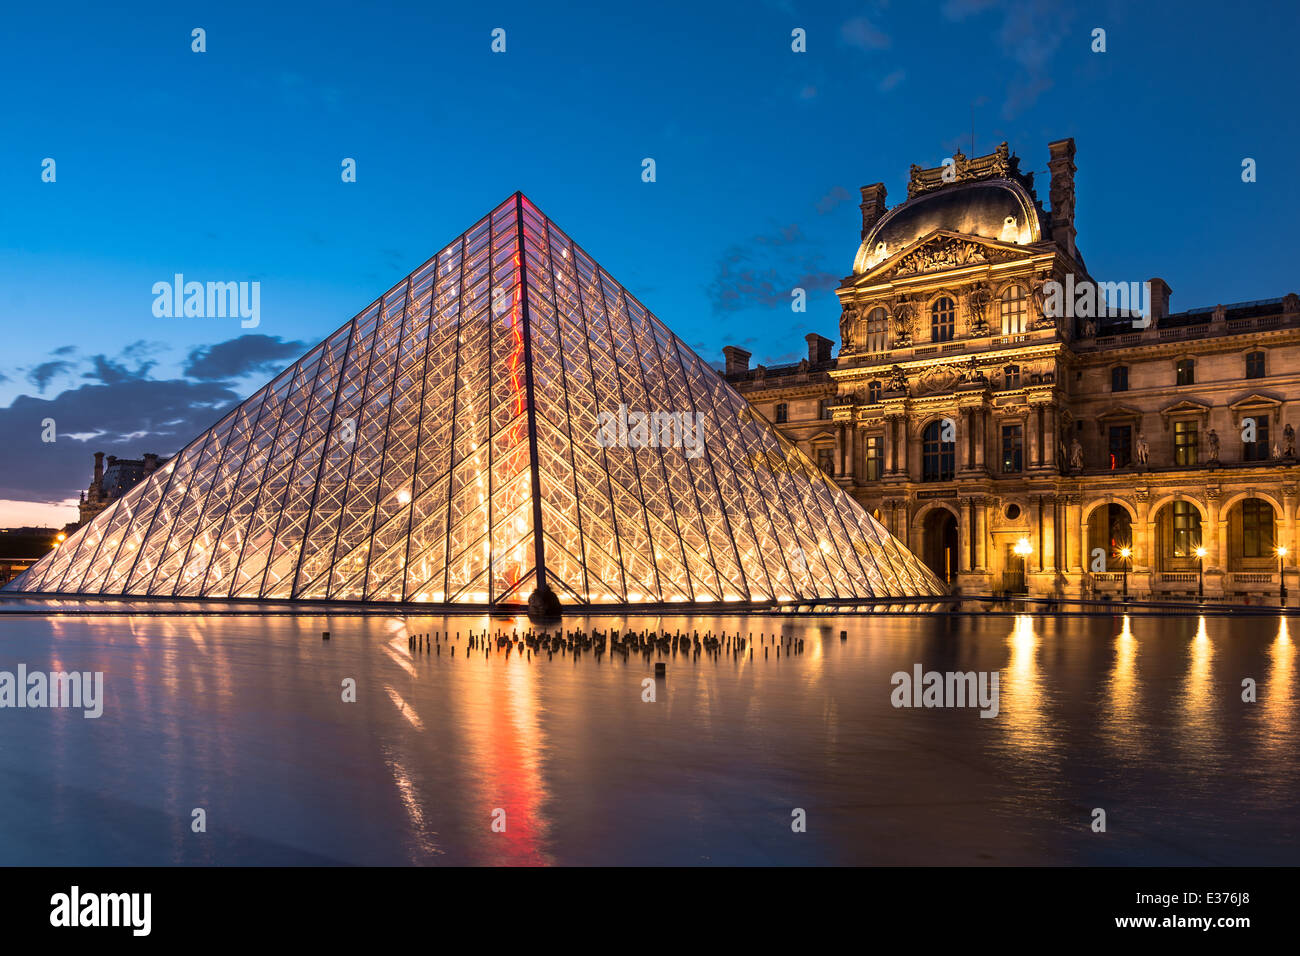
999,209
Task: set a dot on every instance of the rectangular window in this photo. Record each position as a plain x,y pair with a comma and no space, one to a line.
826,460
824,409
873,393
1119,378
875,457
1186,372
1121,446
1254,365
1256,450
782,413
1012,449
1256,528
1185,444
1187,529
1011,376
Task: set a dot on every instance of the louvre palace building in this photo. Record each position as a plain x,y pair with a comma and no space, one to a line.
1021,437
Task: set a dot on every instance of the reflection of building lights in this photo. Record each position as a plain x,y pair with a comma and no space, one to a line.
403,497
60,537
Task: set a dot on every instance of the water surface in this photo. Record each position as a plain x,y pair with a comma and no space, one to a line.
243,717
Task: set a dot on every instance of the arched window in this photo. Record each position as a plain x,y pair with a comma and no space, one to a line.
938,457
1256,528
877,330
943,319
1015,310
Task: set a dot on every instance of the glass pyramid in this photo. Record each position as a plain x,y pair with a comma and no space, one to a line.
474,432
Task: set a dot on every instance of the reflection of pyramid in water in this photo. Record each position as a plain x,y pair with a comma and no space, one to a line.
401,461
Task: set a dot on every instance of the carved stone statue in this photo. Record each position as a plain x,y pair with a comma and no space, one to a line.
848,326
1076,455
1220,314
971,371
1089,328
1039,295
904,318
1213,439
977,304
1288,440
1143,450
897,381
1291,303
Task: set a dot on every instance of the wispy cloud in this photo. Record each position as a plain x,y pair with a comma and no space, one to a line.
764,272
837,197
1029,33
862,33
891,80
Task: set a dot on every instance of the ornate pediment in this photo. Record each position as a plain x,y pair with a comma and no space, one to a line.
1184,409
942,251
1255,403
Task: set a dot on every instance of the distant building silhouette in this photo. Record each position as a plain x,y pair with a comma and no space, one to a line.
109,484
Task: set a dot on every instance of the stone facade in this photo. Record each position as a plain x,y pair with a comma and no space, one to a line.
1016,439
109,484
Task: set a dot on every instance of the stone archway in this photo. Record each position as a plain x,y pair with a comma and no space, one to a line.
939,544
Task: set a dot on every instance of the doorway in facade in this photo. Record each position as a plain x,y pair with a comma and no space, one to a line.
1013,573
940,532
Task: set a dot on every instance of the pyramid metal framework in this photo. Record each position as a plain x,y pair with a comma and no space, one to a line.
451,445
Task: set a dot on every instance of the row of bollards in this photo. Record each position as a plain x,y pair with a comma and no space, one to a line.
645,643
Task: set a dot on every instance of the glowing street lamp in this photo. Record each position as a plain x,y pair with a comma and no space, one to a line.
1126,553
1281,571
1200,571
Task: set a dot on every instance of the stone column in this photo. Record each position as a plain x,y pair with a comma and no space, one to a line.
1214,532
1077,533
1049,440
1288,519
1047,532
905,448
981,422
1031,438
1144,535
964,536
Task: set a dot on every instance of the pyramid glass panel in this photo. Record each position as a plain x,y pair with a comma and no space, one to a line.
505,418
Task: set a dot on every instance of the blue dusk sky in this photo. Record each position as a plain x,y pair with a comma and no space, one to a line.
225,165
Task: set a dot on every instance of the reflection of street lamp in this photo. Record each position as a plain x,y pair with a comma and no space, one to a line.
1126,553
1281,571
1200,571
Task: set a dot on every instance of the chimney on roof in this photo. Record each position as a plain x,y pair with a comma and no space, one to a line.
150,462
737,359
99,467
873,206
1158,293
1061,192
819,348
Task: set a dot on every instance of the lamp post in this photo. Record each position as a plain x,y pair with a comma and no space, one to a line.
1126,553
1281,571
1200,572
